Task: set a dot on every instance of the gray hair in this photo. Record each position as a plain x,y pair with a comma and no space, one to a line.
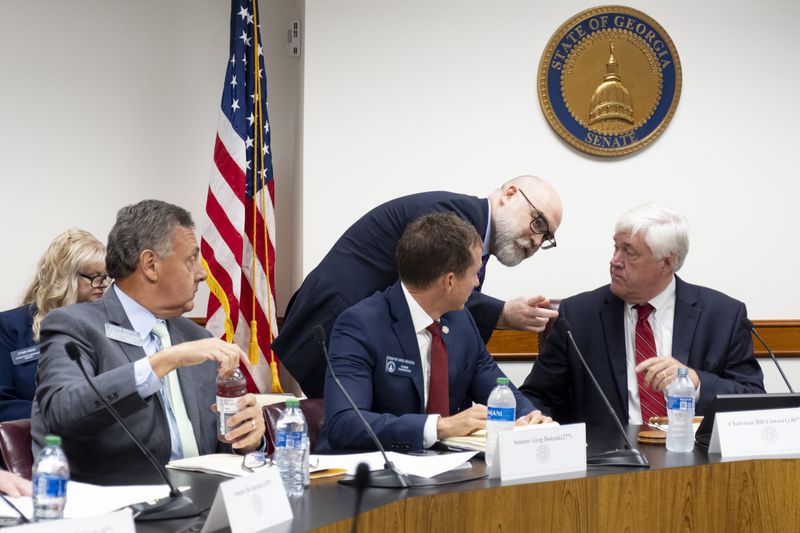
148,225
664,230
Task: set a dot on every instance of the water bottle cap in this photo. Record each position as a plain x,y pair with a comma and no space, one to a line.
502,381
52,440
292,402
683,372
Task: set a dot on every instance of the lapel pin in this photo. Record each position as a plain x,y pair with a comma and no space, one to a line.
445,330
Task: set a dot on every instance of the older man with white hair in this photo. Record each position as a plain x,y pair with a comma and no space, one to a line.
637,331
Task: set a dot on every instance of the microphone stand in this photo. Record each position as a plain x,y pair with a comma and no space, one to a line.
176,505
629,456
390,476
752,328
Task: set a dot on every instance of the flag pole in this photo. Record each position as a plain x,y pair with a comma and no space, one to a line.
261,175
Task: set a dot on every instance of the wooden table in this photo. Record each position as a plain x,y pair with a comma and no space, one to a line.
680,492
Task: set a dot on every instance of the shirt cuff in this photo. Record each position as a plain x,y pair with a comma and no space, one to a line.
147,383
429,433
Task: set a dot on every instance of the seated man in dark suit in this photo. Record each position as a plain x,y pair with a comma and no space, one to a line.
157,368
411,355
516,220
636,332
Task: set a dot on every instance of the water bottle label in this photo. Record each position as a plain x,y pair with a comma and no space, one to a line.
290,439
502,414
49,486
680,403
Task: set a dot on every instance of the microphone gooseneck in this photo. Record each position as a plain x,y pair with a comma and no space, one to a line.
22,518
630,456
391,471
176,505
749,325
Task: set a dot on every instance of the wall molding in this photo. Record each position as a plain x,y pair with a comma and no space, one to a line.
783,336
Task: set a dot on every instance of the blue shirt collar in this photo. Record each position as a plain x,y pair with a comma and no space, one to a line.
141,319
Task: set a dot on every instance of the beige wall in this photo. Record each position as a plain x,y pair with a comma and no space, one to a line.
109,102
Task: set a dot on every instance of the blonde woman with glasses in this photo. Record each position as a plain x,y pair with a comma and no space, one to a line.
72,270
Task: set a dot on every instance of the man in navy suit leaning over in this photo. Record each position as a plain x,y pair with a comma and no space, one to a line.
411,355
636,332
517,219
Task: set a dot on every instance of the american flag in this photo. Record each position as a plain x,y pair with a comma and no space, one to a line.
239,208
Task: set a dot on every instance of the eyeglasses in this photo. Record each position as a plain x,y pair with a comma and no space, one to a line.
98,280
254,460
539,226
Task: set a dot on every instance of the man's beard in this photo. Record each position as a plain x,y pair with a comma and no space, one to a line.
509,247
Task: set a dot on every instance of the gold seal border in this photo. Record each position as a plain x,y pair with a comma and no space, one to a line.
543,93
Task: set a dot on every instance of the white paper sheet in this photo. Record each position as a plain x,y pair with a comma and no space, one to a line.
84,500
225,464
415,465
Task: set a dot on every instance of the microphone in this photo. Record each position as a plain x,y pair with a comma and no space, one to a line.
749,325
390,476
629,456
22,518
361,483
176,505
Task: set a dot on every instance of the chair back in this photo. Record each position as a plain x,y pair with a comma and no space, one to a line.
15,446
314,411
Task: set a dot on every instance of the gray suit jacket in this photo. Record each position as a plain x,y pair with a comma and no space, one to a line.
97,448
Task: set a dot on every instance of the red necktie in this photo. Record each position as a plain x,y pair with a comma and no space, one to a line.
652,402
438,388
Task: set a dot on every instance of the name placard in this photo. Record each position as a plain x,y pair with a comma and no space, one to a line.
765,433
256,502
542,450
116,522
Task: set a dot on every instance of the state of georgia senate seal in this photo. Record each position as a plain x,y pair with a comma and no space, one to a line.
609,80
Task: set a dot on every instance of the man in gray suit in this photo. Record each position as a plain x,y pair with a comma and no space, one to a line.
157,368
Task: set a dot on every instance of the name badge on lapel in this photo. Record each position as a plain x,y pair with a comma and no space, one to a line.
128,336
399,367
25,355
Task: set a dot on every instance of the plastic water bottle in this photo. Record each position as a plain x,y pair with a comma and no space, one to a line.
502,415
680,408
291,448
50,476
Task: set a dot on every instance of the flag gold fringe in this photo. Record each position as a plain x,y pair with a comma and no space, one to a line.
220,295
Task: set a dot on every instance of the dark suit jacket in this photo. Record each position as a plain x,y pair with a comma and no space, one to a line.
709,336
361,262
17,382
97,448
363,339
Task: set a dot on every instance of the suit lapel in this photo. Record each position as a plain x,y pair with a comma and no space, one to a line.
612,316
403,329
117,316
687,314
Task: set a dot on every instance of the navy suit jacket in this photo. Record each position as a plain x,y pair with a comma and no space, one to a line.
709,336
17,382
364,339
361,262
